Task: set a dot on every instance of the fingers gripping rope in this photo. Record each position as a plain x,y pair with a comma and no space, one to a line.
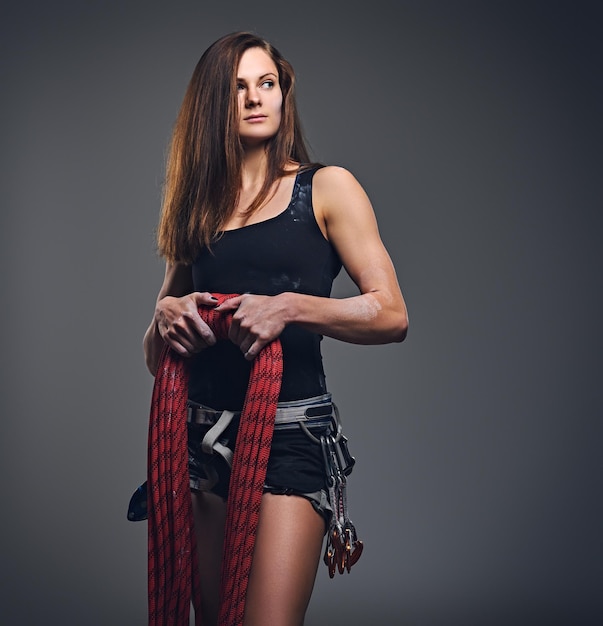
172,549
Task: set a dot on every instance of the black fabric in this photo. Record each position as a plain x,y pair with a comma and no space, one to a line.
296,463
285,253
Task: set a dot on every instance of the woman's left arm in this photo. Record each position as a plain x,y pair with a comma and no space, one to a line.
377,315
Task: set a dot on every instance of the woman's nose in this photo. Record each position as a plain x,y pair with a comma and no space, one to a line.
253,97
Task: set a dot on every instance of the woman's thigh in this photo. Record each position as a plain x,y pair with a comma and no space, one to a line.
285,559
210,515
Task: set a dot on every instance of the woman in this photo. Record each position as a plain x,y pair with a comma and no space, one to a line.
245,213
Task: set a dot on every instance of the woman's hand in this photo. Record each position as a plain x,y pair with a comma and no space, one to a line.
180,325
257,320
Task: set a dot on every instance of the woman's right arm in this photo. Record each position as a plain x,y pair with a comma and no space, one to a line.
176,320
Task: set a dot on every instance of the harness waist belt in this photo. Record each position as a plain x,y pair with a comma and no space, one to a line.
286,413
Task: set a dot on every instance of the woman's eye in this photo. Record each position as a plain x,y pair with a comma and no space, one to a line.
240,87
268,84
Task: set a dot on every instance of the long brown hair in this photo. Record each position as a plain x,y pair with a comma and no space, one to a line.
203,173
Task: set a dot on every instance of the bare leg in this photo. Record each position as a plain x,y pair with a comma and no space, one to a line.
285,560
210,516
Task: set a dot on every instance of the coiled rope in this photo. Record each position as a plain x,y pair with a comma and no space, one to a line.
172,565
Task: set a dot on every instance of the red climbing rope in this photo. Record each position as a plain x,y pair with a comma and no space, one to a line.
172,546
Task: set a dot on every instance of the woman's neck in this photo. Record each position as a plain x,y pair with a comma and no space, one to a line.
253,168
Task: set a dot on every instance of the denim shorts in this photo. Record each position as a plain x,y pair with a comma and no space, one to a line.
296,464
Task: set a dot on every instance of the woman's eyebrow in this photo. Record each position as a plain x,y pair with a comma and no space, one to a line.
260,77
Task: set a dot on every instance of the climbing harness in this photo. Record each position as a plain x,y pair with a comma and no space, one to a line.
216,442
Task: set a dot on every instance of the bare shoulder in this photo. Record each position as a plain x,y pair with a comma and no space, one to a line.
335,179
337,193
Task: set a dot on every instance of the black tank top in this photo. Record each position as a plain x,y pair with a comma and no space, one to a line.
284,253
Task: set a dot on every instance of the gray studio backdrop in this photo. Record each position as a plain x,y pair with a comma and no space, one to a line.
475,128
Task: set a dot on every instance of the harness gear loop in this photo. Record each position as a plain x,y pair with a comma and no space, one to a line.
172,565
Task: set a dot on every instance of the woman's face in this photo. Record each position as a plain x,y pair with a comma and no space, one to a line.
260,97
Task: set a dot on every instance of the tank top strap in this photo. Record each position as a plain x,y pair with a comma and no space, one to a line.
301,207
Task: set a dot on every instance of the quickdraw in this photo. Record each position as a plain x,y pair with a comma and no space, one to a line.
343,548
